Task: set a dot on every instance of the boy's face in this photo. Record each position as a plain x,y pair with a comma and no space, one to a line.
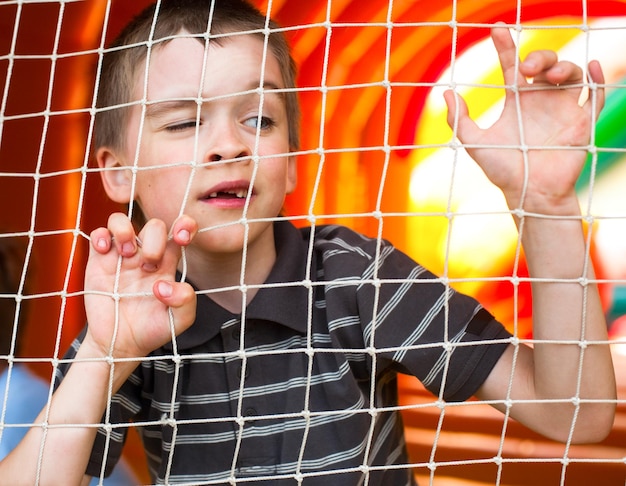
177,130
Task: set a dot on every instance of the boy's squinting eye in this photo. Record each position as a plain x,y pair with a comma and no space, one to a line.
252,122
182,126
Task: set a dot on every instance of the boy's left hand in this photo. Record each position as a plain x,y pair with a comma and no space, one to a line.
552,121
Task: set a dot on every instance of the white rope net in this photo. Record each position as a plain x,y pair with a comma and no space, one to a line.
376,155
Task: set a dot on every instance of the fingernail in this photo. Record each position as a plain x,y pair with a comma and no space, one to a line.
184,235
165,289
101,243
128,247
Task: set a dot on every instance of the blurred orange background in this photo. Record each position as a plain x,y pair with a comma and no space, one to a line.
361,144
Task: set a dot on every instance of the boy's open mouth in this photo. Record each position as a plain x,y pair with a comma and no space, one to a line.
234,190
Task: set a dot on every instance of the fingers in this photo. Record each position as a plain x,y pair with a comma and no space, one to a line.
152,238
543,66
537,62
156,244
595,72
174,294
121,234
596,77
507,54
458,116
451,103
181,298
154,252
540,65
100,240
183,230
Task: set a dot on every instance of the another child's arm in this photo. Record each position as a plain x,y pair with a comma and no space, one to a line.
540,190
126,327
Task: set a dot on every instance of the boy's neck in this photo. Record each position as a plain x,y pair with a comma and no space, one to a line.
232,300
224,271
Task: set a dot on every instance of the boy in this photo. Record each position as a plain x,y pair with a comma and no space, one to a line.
264,367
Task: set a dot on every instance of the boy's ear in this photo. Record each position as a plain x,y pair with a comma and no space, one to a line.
116,179
292,174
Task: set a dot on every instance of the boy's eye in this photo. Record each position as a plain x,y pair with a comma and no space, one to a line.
182,126
266,122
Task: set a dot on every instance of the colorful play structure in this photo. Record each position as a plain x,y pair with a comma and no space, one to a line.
381,163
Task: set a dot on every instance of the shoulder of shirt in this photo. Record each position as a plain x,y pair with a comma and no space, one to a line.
337,241
335,234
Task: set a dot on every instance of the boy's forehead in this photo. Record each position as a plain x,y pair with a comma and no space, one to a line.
180,66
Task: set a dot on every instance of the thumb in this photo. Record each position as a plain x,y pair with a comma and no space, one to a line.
458,116
180,297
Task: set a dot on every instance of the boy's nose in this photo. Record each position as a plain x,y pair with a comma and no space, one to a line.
226,144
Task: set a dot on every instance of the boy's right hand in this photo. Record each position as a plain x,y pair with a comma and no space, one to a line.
130,287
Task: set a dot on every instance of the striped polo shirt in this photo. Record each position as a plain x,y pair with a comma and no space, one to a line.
301,387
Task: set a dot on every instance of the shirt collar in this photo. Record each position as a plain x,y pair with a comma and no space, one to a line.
285,304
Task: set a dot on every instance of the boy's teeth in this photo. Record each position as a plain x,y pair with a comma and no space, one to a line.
240,194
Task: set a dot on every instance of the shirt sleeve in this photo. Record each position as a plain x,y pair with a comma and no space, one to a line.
427,329
412,321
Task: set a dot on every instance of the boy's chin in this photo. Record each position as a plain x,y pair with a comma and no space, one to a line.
234,237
